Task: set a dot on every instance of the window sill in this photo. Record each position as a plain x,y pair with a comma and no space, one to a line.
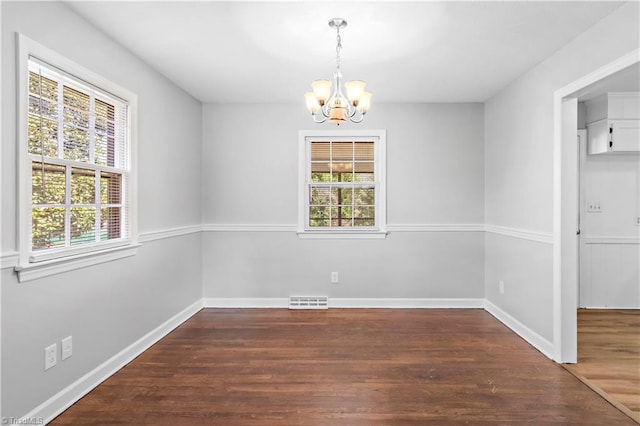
346,235
34,271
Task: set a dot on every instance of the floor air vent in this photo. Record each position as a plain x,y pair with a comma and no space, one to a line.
308,302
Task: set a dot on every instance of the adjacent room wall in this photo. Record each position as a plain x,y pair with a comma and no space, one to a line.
519,170
435,176
107,307
609,239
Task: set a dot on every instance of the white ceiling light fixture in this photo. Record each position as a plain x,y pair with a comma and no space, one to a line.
334,106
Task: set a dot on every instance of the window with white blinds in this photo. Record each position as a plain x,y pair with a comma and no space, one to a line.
343,182
78,151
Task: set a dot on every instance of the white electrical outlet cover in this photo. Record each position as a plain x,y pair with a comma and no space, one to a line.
67,347
50,356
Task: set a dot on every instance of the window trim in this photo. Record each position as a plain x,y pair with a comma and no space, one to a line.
32,266
380,230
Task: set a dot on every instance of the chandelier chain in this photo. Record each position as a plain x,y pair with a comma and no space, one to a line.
338,47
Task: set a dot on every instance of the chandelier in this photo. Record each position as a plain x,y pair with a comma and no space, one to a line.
334,106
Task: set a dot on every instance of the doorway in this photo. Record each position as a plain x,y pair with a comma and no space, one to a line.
565,218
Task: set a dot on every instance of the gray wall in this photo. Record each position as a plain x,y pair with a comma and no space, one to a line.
519,167
109,306
434,176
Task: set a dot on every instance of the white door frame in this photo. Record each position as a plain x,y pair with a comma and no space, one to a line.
565,274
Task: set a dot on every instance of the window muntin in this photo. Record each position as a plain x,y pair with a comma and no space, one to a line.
343,182
78,150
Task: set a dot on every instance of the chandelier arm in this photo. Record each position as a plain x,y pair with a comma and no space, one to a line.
356,120
315,118
325,109
351,110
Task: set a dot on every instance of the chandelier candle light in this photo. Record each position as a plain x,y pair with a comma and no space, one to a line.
334,106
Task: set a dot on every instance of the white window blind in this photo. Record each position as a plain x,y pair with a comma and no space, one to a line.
78,150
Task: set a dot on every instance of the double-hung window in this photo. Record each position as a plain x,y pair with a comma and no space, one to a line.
342,183
76,166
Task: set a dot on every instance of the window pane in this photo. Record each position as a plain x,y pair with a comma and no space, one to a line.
43,133
319,196
75,99
320,151
341,172
43,107
105,115
110,223
364,151
342,151
364,216
318,216
76,144
42,86
364,212
344,196
110,188
83,225
47,183
79,118
364,172
320,172
345,212
47,227
104,147
364,196
83,186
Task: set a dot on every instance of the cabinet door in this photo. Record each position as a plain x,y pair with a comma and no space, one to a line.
598,137
625,135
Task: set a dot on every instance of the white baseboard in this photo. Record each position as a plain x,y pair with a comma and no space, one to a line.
398,303
598,307
533,338
282,302
246,302
55,405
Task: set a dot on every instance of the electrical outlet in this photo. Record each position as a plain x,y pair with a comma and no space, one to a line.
594,207
50,356
67,347
501,286
334,277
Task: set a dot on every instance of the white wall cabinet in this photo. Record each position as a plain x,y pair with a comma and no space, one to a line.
613,123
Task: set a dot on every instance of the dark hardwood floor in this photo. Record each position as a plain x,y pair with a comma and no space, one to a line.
342,367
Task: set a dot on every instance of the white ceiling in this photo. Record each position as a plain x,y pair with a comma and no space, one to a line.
406,51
